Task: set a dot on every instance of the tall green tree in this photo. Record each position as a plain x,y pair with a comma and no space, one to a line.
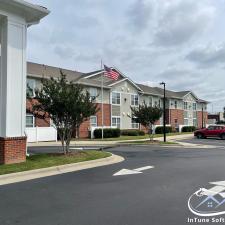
147,116
67,104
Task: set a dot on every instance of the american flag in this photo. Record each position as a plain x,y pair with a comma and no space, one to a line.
108,72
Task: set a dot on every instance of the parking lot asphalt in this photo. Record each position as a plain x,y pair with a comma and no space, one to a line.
156,196
205,141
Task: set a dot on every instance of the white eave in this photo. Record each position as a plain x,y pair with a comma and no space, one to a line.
32,13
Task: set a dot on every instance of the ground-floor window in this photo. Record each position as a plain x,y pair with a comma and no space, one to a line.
185,121
29,120
195,122
116,121
134,124
93,121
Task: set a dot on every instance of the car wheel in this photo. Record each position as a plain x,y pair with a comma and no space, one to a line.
223,136
199,136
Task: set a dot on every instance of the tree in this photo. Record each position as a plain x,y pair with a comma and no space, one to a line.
146,116
67,104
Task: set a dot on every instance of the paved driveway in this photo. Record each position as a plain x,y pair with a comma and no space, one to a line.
207,141
95,197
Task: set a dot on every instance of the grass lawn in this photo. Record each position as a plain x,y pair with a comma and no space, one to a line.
48,160
123,138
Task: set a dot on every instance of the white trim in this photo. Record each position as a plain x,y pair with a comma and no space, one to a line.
131,100
30,115
96,121
190,92
117,117
111,98
117,82
128,79
92,75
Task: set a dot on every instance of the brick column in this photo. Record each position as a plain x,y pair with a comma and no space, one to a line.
12,150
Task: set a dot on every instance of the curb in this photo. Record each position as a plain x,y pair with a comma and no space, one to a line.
57,170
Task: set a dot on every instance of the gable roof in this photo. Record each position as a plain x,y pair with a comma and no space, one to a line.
44,71
156,91
90,79
111,82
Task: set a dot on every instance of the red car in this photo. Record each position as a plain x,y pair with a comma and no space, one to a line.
211,131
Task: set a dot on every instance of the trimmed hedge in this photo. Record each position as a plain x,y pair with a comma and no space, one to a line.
108,133
159,130
132,133
188,129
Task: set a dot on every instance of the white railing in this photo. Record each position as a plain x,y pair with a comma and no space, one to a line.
36,134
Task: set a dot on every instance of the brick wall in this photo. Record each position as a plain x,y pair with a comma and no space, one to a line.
173,116
84,128
39,122
205,119
12,150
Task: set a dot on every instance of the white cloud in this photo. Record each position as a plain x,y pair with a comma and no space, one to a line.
148,40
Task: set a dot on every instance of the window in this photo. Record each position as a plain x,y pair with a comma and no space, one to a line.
175,104
134,124
185,121
93,92
159,103
150,101
31,85
115,98
29,120
195,122
116,122
134,100
93,121
185,105
194,106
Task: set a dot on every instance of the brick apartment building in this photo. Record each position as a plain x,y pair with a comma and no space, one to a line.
182,108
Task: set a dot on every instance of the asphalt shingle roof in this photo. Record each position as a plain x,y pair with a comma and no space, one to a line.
38,70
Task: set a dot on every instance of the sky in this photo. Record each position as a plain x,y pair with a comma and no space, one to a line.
180,42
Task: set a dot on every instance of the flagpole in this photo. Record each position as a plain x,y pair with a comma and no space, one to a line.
102,107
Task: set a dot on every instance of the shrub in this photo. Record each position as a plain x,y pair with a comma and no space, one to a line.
132,132
188,129
159,130
108,132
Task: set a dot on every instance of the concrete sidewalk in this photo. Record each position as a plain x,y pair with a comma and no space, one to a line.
108,143
57,170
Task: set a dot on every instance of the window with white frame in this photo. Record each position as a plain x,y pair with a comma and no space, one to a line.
134,124
175,104
159,103
194,106
93,121
29,120
185,105
134,100
195,122
150,101
93,92
31,85
115,98
185,121
116,121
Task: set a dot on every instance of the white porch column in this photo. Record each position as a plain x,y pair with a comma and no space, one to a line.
15,17
13,78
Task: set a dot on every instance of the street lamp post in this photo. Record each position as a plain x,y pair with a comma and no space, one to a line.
164,110
202,117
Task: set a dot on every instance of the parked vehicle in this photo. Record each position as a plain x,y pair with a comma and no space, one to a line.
211,131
